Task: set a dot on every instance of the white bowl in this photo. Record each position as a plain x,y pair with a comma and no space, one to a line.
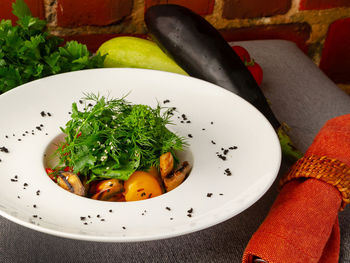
218,120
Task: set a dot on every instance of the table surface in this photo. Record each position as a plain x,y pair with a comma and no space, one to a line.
300,95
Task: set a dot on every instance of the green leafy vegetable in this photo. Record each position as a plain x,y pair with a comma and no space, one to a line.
28,52
113,138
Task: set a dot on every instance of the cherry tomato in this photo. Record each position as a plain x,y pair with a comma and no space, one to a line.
242,53
141,185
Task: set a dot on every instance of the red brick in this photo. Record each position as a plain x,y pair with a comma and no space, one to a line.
322,4
36,7
202,7
73,13
94,41
298,33
254,8
335,61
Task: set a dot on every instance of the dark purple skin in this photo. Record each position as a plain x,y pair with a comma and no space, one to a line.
202,52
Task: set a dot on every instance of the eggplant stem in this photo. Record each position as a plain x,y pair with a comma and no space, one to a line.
287,146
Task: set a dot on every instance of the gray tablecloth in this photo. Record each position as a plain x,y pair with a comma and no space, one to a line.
300,95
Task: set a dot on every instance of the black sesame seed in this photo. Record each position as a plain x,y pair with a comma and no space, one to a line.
102,219
49,114
80,101
41,125
171,218
35,216
6,137
85,223
34,206
203,129
222,157
124,227
43,114
190,135
16,176
143,194
209,194
4,149
25,184
221,194
166,101
211,122
38,128
225,151
188,121
82,218
18,197
110,210
38,192
168,208
19,140
98,216
14,180
189,215
190,211
213,142
228,172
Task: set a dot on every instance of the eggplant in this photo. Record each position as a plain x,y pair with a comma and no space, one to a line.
198,48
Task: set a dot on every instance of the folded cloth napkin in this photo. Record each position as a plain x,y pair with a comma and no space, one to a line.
302,225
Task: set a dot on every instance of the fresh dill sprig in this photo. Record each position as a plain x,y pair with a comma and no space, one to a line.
112,138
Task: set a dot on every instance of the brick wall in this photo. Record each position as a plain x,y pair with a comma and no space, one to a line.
321,28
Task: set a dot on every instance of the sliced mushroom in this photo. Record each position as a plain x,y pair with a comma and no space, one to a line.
166,164
108,190
174,179
70,182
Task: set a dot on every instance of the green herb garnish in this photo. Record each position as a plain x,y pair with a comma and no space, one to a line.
112,138
28,52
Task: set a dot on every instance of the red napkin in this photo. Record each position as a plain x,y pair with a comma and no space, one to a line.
302,225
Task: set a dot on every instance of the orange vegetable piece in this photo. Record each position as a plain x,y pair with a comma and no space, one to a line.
141,185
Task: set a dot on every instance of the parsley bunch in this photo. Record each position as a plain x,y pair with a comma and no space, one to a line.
113,138
28,52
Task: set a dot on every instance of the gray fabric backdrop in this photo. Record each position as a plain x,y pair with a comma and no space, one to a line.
300,95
